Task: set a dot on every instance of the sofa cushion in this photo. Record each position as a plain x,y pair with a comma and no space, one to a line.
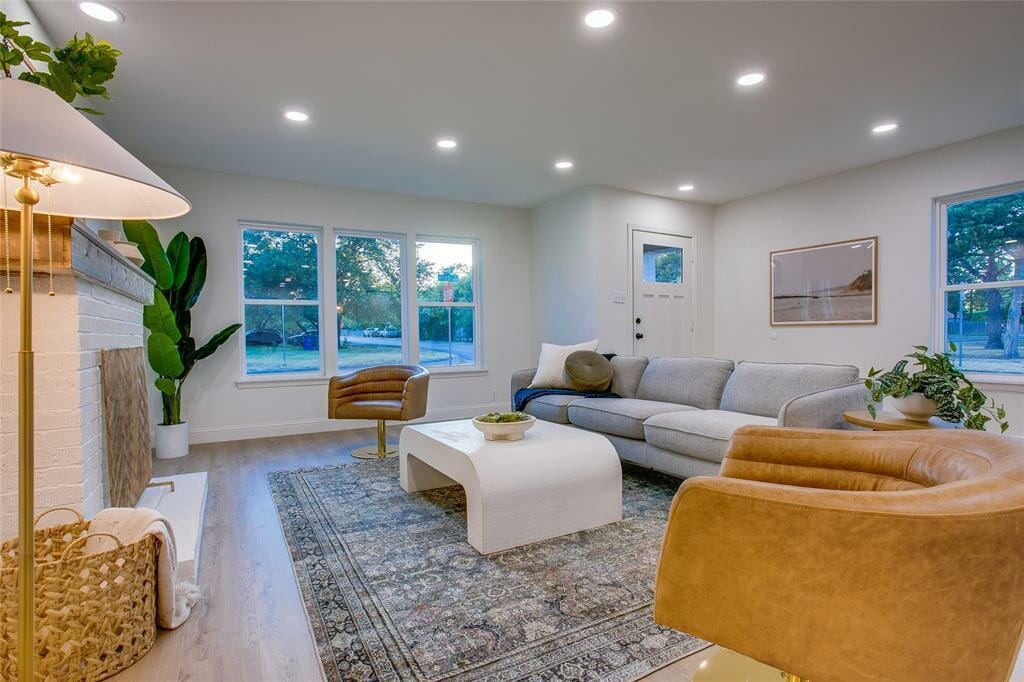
627,370
550,408
699,433
588,371
688,381
618,416
764,387
551,365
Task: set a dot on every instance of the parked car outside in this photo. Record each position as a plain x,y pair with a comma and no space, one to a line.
262,337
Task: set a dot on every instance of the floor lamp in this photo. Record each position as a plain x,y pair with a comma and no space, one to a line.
51,154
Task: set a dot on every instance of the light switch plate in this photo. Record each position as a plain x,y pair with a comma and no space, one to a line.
619,296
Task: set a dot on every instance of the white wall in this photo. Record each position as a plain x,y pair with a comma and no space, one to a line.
893,200
219,409
581,257
562,255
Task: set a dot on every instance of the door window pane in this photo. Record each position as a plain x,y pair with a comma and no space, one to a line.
278,264
446,336
281,339
444,272
985,240
662,264
369,304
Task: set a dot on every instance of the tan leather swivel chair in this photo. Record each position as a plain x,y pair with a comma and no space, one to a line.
386,392
845,556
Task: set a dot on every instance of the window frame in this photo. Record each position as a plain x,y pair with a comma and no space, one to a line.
327,296
244,301
476,305
940,274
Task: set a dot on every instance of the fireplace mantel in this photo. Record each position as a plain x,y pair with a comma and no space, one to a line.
78,251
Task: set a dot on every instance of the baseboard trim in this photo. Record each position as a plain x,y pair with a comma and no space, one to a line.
220,434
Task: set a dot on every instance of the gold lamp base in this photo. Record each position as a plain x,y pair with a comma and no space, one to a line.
728,666
380,450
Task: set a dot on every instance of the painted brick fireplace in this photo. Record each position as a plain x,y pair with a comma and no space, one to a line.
97,305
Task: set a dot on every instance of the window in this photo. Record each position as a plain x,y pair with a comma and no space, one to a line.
369,276
281,301
447,303
663,264
372,316
980,295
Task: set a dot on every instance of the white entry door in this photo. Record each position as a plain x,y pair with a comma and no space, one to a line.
663,322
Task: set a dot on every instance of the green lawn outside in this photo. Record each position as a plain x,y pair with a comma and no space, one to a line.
271,360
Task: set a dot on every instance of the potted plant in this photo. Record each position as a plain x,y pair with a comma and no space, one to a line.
936,389
79,69
179,274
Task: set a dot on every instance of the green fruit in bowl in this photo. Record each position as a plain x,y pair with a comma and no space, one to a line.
503,417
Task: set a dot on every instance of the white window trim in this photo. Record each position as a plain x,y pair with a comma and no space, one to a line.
479,366
940,275
327,295
244,376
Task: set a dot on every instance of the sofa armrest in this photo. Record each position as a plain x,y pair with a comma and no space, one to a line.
521,379
824,409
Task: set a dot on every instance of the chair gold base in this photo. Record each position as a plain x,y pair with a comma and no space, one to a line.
380,450
373,453
725,665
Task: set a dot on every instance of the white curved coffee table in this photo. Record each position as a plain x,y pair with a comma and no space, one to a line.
556,480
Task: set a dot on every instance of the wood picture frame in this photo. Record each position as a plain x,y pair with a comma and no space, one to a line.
824,285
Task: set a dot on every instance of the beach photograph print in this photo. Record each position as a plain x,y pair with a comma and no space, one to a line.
825,284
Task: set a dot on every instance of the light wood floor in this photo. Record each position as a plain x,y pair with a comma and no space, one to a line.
250,625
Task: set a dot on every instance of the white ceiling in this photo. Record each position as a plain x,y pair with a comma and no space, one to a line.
645,106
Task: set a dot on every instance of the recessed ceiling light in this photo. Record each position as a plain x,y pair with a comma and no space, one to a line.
599,18
564,165
447,143
883,128
99,11
297,116
748,79
685,188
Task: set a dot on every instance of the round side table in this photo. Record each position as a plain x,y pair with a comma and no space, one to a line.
893,421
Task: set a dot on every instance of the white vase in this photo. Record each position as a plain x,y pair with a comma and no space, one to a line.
171,440
916,407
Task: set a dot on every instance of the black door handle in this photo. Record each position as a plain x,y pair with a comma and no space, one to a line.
638,320
639,335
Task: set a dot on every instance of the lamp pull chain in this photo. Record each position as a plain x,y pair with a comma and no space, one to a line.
49,232
7,238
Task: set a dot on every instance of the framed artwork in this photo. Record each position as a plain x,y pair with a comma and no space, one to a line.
827,284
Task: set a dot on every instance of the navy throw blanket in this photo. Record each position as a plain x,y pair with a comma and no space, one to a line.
525,395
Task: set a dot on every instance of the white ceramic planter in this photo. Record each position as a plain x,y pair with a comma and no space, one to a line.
916,407
171,440
504,430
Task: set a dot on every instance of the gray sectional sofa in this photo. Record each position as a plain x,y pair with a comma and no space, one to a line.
677,415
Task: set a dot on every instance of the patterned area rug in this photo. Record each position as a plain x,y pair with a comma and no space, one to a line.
393,590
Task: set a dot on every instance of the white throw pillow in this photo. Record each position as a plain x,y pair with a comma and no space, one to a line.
551,365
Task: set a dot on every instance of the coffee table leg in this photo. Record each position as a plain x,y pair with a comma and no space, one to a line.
416,475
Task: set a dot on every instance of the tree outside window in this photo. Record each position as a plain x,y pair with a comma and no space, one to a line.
984,282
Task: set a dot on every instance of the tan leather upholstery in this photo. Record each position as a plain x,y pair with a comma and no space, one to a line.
845,556
391,392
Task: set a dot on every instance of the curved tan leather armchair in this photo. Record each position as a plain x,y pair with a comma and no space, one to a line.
845,556
395,392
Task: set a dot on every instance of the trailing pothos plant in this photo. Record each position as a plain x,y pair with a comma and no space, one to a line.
79,69
957,399
179,274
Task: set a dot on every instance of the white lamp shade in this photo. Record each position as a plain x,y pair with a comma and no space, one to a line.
112,184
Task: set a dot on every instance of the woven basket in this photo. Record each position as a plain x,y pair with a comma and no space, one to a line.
95,614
